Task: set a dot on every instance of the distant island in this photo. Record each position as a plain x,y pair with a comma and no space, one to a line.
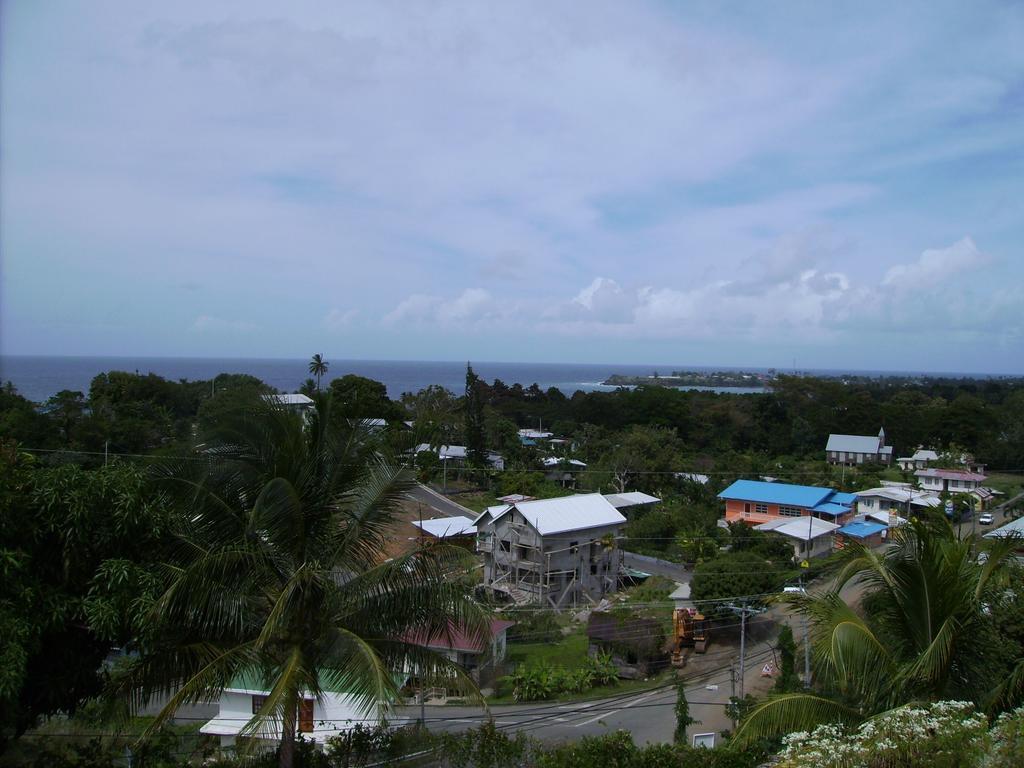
716,379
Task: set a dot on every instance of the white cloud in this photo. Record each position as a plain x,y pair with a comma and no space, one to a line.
338,320
936,265
798,301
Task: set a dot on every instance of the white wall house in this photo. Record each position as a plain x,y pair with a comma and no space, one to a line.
456,455
949,480
922,458
336,714
898,499
556,552
809,536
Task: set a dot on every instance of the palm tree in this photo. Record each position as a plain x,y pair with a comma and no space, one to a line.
930,596
318,367
282,576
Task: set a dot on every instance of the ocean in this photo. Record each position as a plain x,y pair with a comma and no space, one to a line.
38,377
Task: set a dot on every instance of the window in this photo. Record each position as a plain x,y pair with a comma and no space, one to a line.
257,703
505,546
593,569
574,547
746,510
761,509
791,511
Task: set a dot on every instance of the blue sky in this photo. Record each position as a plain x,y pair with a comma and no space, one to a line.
703,183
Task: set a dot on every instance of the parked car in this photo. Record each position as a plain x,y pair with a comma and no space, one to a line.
986,519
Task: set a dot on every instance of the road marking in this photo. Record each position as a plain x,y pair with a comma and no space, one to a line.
616,711
581,706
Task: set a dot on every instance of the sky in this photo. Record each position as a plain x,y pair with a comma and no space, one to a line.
830,185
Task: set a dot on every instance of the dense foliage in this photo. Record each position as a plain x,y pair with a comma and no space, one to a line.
934,629
77,555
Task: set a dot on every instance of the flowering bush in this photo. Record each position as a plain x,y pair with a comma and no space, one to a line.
947,733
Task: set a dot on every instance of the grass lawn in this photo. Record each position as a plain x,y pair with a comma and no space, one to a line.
569,652
1011,485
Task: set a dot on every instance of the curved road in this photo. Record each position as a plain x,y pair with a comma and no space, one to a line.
439,503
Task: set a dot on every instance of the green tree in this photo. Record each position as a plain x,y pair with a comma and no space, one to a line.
788,679
473,420
318,367
930,597
283,576
734,573
683,719
67,409
357,397
77,550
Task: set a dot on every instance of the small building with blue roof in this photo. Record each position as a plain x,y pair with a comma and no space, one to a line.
867,532
755,502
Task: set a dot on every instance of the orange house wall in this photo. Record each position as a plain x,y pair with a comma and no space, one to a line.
734,512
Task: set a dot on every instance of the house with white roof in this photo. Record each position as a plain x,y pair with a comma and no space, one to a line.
446,527
456,455
858,449
897,499
922,458
292,401
809,536
561,470
333,714
631,500
556,552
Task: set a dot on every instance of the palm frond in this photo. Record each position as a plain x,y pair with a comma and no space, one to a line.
792,712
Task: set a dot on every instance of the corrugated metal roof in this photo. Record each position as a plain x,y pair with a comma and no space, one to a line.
1012,528
442,527
565,513
292,399
630,499
554,461
802,528
952,474
828,508
861,529
883,517
776,493
853,443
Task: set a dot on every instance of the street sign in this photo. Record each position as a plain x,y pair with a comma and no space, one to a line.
949,507
804,564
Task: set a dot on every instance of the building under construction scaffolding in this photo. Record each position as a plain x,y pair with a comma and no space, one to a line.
556,552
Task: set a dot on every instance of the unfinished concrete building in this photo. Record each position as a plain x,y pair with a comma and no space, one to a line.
556,552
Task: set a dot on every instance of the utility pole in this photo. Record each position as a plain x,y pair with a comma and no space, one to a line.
807,646
732,679
106,452
743,645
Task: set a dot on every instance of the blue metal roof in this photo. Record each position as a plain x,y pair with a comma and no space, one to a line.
776,493
830,508
861,530
843,498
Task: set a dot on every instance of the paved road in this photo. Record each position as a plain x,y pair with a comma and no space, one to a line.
648,715
439,503
665,568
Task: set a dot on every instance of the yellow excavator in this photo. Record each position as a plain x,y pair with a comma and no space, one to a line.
690,630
